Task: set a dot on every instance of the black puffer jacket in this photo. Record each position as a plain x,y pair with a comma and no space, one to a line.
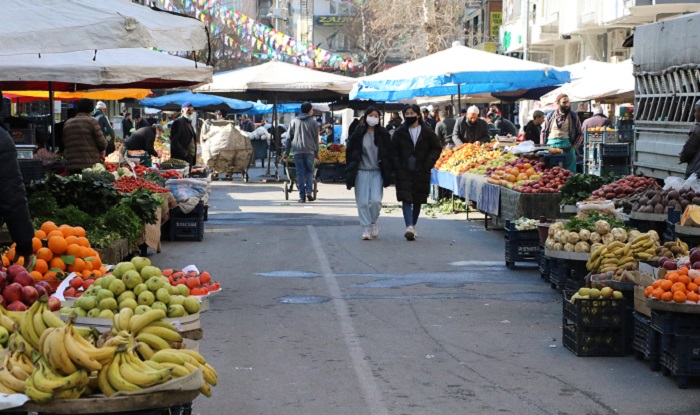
13,203
353,152
414,186
691,151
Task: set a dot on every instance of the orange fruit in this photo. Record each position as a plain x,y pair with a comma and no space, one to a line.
77,266
74,249
41,266
49,276
657,283
88,266
54,233
667,296
5,261
666,285
40,234
648,290
36,275
36,244
697,281
84,252
45,254
97,273
679,297
692,287
79,231
83,241
57,245
72,240
92,252
67,230
693,297
10,254
679,286
682,271
48,226
684,279
20,261
57,263
673,277
86,273
657,293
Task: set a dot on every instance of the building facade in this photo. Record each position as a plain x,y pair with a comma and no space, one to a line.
482,23
329,18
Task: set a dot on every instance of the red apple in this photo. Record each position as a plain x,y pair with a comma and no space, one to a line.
76,282
41,291
3,302
54,303
29,295
46,285
12,292
87,283
3,280
13,270
24,279
70,292
17,306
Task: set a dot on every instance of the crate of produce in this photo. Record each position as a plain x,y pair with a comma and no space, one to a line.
675,323
682,359
544,265
24,136
554,160
615,150
516,235
188,228
645,342
587,341
595,313
330,172
557,274
576,273
521,251
31,169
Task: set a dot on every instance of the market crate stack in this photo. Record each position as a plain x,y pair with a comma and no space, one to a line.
521,245
594,327
646,342
186,225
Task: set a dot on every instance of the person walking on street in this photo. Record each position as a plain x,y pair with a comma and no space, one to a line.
105,126
428,119
441,129
597,120
562,129
394,123
127,125
691,149
303,140
470,128
83,139
369,169
533,129
142,139
416,148
183,136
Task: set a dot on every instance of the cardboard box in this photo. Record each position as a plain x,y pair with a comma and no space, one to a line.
640,301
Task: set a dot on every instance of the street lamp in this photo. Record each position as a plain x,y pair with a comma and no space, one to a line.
527,30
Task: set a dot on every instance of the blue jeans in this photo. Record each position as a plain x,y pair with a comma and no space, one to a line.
304,164
411,212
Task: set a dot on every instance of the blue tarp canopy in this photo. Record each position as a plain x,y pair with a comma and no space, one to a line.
204,102
458,69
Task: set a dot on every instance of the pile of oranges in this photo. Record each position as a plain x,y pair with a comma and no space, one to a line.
678,286
59,250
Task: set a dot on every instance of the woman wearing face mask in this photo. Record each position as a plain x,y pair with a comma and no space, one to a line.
369,169
416,148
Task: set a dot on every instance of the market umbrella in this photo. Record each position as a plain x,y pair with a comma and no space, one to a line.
611,82
284,108
458,70
50,26
111,68
103,95
173,102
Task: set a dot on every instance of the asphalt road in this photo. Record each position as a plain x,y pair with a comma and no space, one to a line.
313,320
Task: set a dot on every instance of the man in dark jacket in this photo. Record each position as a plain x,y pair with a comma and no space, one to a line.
183,136
533,129
14,210
691,150
504,126
83,139
443,132
470,128
246,124
142,139
562,129
303,140
428,118
597,120
105,126
394,123
127,125
70,113
140,122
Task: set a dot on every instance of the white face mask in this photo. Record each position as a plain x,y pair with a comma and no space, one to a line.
372,121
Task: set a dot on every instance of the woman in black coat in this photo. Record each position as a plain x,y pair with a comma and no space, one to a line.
368,170
416,148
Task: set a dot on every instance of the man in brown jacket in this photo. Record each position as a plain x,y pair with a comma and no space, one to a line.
83,139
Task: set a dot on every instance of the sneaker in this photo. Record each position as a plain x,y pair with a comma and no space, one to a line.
410,234
301,200
310,197
366,236
374,230
415,232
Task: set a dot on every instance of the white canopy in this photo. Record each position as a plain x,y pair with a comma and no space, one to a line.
116,68
52,26
606,82
286,80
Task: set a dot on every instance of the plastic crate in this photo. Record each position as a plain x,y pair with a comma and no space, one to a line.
675,323
645,342
196,213
518,249
544,265
554,160
615,150
622,170
187,228
516,235
25,136
598,313
586,341
31,169
206,213
330,172
626,135
557,274
683,359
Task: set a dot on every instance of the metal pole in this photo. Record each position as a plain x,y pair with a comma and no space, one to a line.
51,120
364,37
278,140
459,96
527,31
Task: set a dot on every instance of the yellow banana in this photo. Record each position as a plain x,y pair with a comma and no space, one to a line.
162,323
103,382
38,322
136,323
206,390
56,354
100,354
178,371
10,381
78,355
27,330
196,355
625,260
152,340
18,372
7,391
73,393
170,336
152,364
644,256
34,394
47,381
210,375
51,319
7,323
115,378
145,351
162,356
135,374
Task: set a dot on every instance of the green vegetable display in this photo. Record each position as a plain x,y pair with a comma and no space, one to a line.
576,224
579,187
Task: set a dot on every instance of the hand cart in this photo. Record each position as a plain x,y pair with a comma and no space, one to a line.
291,172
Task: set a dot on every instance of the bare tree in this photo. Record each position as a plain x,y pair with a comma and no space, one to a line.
408,29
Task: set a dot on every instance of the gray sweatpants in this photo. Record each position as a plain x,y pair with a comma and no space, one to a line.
368,196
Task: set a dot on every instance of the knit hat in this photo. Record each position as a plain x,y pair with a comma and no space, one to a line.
560,96
186,105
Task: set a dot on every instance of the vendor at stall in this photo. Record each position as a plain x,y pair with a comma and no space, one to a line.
533,129
83,139
470,128
562,129
143,139
691,150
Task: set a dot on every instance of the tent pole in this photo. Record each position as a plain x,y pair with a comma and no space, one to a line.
269,148
51,119
278,140
459,97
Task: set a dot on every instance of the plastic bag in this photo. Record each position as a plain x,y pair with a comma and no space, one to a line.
225,146
674,182
604,208
692,182
524,147
184,189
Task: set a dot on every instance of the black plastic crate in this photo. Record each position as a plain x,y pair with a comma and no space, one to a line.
557,274
330,172
196,213
544,265
621,170
646,341
521,251
626,135
554,160
586,341
206,213
31,169
675,323
683,359
25,136
598,313
187,228
514,234
615,150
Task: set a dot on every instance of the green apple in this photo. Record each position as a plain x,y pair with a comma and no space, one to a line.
154,283
121,268
106,314
184,290
128,303
159,306
176,300
191,305
86,303
150,271
176,310
172,290
141,309
102,294
94,313
106,280
66,310
126,294
140,262
139,289
108,304
132,278
80,312
163,295
117,287
146,298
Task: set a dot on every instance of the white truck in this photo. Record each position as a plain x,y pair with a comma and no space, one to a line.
667,85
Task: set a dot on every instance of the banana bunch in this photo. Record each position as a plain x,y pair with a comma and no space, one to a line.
183,362
45,385
18,342
148,329
128,373
16,368
66,351
36,320
617,256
